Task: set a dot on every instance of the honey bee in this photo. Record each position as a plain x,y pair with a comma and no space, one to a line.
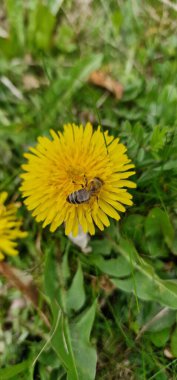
83,195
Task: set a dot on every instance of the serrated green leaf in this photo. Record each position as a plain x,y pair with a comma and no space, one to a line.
85,353
143,281
118,267
61,343
72,344
158,138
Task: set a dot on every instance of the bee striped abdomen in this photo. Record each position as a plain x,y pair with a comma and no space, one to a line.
79,196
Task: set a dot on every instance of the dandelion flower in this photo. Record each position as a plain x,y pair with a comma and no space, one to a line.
9,228
79,178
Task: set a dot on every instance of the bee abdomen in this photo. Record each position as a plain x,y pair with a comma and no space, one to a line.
78,197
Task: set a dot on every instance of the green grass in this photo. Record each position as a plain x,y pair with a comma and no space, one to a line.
47,53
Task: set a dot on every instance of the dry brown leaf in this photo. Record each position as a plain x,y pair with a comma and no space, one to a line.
30,82
106,284
24,283
101,79
168,354
103,282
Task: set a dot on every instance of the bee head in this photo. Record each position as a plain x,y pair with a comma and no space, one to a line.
95,184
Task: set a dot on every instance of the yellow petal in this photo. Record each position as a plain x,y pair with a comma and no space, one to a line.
126,183
3,197
82,219
1,256
109,210
98,222
103,217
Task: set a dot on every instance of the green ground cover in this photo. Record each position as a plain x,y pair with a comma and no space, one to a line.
121,298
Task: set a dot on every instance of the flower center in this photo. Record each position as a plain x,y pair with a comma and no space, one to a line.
77,176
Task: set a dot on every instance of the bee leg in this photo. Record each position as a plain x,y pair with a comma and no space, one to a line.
86,181
97,200
74,183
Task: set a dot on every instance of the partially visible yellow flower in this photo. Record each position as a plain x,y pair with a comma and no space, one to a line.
71,161
9,228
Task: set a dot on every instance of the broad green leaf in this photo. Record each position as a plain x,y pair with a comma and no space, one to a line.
72,344
61,343
156,247
49,358
170,165
143,281
138,284
174,343
160,338
158,224
85,322
85,353
167,321
75,296
101,247
162,319
118,267
174,246
133,227
17,369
